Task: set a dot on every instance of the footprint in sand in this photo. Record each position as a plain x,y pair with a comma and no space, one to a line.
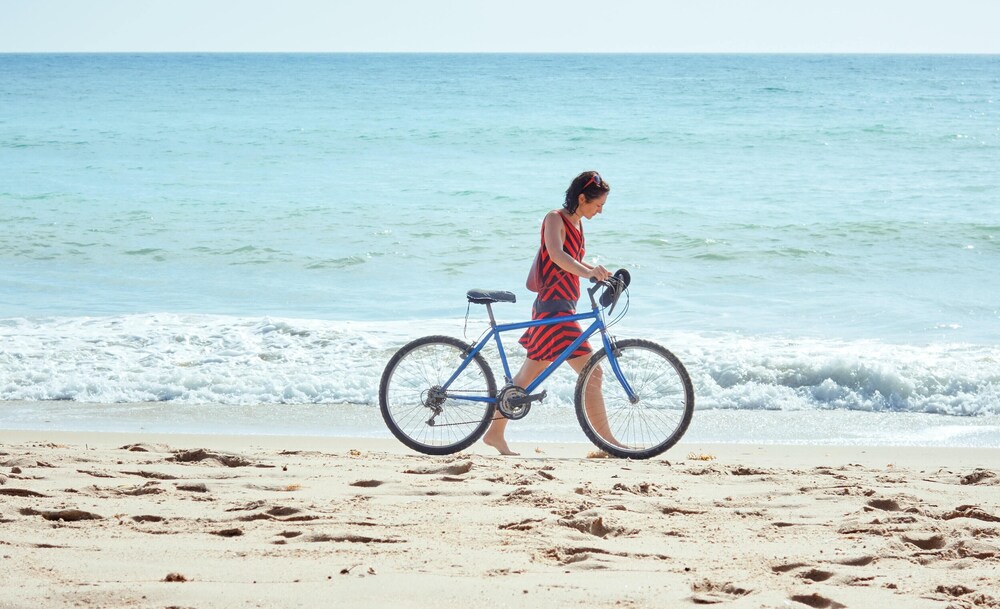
246,507
150,488
95,473
886,505
279,513
569,556
816,575
785,568
71,515
707,592
20,492
193,488
674,509
979,550
200,454
646,489
290,534
527,496
148,518
319,538
926,541
595,526
966,597
151,475
856,561
450,470
817,601
527,524
592,558
980,476
804,571
17,463
145,448
970,511
750,471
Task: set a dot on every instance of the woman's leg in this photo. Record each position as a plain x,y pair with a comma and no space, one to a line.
596,412
530,369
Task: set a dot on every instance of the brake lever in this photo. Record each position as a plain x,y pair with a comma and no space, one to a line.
618,289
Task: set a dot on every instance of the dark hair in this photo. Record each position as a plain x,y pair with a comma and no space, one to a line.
590,184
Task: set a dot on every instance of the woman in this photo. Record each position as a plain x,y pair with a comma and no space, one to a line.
561,266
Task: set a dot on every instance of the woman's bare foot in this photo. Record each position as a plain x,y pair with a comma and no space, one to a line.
500,444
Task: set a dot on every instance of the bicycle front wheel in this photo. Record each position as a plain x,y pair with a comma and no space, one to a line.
420,413
650,423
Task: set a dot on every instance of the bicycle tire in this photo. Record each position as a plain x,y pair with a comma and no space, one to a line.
656,421
413,371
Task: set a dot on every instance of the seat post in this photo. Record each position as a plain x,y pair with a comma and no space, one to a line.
489,309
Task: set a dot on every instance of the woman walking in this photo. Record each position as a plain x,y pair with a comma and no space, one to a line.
560,266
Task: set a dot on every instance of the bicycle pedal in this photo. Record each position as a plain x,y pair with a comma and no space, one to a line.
523,401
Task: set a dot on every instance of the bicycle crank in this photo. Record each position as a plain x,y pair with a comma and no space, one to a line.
513,402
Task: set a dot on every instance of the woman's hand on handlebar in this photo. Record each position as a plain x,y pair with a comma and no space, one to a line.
599,273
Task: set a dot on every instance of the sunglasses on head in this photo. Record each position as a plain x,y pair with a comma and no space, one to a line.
594,179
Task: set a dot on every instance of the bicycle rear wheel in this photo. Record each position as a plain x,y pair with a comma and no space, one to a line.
419,413
652,423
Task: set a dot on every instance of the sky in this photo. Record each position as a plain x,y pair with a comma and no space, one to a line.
528,26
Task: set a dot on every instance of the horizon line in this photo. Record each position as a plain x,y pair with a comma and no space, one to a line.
428,52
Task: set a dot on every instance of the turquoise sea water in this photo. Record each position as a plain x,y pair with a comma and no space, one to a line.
805,232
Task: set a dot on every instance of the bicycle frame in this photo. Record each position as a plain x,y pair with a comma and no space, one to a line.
497,329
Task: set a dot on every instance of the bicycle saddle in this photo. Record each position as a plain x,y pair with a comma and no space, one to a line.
490,296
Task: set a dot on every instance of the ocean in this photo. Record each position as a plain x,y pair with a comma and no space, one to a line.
240,242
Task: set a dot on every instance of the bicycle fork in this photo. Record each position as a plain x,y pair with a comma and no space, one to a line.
611,348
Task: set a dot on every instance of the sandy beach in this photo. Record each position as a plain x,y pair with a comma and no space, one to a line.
144,520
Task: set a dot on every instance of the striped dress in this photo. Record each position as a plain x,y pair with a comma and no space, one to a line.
556,299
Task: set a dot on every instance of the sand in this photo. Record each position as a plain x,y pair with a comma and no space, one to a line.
134,520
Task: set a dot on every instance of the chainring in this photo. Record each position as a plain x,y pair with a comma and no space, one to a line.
509,410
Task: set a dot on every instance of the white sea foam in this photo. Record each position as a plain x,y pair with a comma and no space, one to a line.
191,359
201,359
795,374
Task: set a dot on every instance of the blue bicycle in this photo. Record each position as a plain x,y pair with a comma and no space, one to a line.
634,398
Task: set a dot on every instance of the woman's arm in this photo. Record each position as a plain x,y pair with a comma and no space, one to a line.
554,236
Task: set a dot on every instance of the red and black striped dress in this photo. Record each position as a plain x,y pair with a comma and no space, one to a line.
557,298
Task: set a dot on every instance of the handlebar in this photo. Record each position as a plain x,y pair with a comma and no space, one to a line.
614,287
